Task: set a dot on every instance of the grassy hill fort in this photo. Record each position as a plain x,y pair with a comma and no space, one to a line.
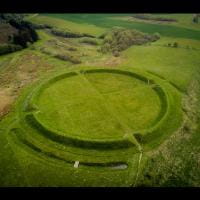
100,100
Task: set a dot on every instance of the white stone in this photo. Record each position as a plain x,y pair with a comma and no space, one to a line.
76,164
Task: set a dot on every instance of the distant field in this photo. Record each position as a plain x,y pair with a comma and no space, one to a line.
183,20
175,64
108,21
68,25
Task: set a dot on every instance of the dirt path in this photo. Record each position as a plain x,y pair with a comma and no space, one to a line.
139,161
6,101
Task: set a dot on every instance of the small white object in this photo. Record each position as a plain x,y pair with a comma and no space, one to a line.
76,164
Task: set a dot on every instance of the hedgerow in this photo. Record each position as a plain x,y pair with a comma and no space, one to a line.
89,41
69,34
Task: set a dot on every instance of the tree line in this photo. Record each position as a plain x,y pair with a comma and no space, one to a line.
26,33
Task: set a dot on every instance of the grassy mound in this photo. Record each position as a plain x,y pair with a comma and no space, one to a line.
100,122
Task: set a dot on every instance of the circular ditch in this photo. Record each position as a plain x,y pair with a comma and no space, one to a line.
97,108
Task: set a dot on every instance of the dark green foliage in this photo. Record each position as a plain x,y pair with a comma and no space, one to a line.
9,48
102,36
22,38
72,49
169,44
119,39
89,41
175,44
26,32
68,58
62,56
68,34
41,26
116,53
8,16
151,17
157,35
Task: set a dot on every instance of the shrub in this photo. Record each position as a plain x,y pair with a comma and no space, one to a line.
102,36
68,34
108,39
9,48
65,34
157,35
175,44
22,34
99,50
62,56
46,51
41,26
105,48
26,32
116,53
72,49
154,18
119,39
74,60
89,41
69,58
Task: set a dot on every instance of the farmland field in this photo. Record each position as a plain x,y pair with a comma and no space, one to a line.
102,100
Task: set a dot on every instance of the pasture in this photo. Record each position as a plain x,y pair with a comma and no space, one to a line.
105,121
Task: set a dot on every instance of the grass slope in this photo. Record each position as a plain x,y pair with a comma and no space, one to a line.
177,65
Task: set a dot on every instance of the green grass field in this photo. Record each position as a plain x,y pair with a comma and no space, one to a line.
115,95
68,25
108,21
126,121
